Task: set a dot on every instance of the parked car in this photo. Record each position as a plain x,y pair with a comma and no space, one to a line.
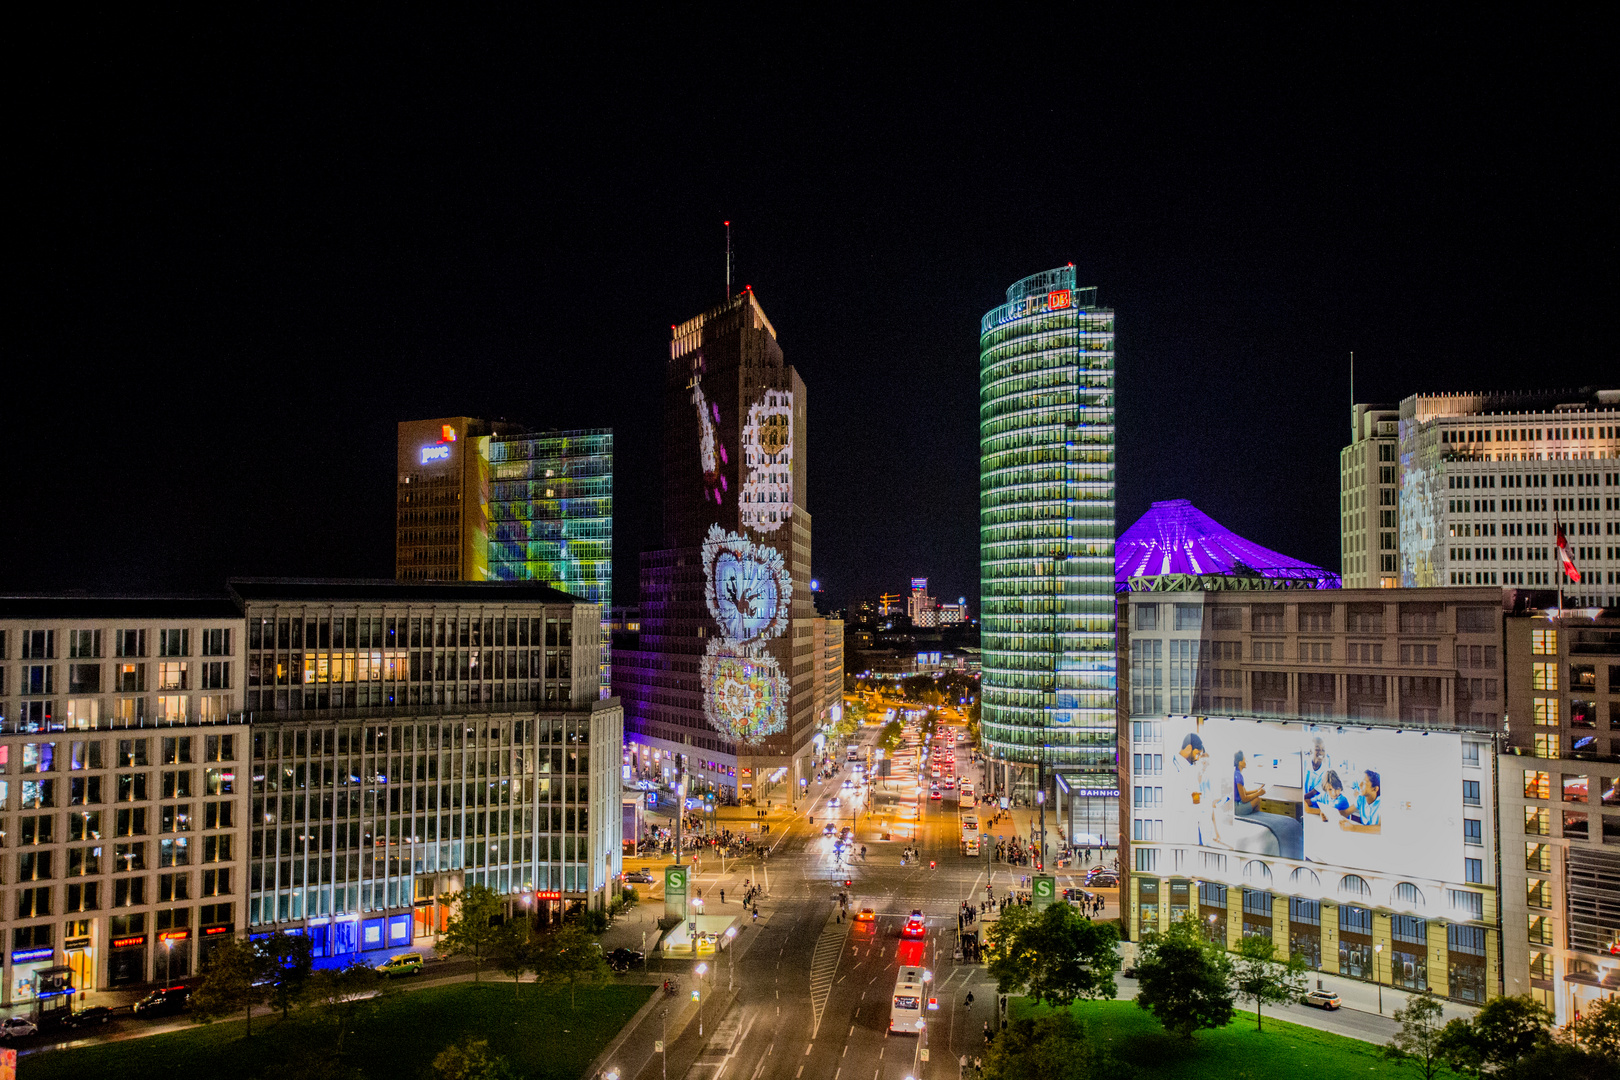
164,1002
1129,970
640,877
15,1027
404,964
1106,879
91,1017
624,959
1322,999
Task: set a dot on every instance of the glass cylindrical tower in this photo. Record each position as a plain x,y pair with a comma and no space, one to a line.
1046,538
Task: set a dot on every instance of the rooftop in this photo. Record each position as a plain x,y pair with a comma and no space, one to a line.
1175,537
322,590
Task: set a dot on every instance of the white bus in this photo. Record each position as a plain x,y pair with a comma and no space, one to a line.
970,834
909,997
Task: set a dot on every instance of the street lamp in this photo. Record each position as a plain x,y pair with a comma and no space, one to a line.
731,968
1378,955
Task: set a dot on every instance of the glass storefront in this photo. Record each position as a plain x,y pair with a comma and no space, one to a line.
26,964
173,955
126,961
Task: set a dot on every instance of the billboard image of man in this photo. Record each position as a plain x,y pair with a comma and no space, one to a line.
1191,809
1315,772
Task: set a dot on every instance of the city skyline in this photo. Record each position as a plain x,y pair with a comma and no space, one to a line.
291,314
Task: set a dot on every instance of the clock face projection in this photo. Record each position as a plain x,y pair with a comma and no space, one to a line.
748,588
744,695
766,499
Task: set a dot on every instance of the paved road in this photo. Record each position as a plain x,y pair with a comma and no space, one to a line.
812,992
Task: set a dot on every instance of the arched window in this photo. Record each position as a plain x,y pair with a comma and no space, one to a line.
1354,885
1408,895
1303,878
1257,871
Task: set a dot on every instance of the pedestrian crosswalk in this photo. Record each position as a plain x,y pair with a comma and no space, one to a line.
824,967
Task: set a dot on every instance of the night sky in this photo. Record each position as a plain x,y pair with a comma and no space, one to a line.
242,251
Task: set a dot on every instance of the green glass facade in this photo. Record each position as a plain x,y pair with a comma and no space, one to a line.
1046,530
551,514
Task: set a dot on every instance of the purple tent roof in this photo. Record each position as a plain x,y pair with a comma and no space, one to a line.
1176,537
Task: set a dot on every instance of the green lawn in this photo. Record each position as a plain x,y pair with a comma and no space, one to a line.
1236,1052
536,1031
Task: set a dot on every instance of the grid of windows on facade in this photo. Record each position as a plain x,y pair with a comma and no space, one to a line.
1047,523
551,512
79,679
364,818
305,661
133,840
1182,675
1414,943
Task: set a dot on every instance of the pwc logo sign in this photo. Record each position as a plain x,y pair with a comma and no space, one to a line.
440,451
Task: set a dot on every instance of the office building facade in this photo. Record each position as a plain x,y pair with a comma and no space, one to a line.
1369,499
720,679
1560,804
410,738
481,500
123,850
828,646
1318,767
1485,479
1046,534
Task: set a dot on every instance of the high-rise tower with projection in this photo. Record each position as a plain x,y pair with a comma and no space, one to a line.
721,669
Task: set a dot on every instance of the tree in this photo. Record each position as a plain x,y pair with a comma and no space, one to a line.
571,955
470,1059
1185,982
471,930
229,982
891,735
1055,956
1052,1047
1506,1030
1563,1060
1263,979
627,899
1417,1043
514,951
285,962
1598,1030
338,997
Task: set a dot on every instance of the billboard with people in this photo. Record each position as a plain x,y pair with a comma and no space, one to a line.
1342,795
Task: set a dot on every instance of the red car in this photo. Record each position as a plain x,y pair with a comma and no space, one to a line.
915,927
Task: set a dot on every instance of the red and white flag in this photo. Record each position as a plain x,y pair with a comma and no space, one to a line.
1565,560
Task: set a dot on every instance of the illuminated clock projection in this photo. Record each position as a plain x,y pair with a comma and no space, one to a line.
711,455
748,587
766,500
744,695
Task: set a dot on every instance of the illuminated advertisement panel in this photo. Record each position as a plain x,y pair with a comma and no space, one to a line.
1349,798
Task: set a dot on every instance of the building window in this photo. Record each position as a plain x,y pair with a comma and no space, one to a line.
1471,792
1472,831
1474,871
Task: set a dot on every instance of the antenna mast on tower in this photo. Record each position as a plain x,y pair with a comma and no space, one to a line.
728,260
